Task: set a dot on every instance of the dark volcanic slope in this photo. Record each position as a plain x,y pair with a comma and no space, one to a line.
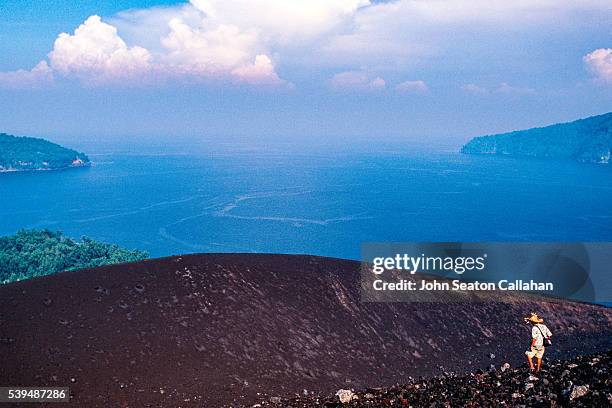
585,381
206,330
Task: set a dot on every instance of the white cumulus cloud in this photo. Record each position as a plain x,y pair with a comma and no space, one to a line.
474,89
194,42
95,53
503,88
251,41
206,51
397,32
418,87
260,72
210,51
356,80
210,40
600,63
281,20
39,76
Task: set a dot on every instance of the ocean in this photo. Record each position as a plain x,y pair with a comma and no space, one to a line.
323,202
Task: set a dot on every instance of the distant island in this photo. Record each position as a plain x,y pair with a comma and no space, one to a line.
586,140
32,253
30,154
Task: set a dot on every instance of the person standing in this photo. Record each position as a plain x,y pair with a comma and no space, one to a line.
540,334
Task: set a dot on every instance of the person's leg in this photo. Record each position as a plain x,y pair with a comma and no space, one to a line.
530,359
530,363
539,356
539,365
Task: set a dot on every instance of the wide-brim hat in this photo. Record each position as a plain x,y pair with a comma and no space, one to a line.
534,318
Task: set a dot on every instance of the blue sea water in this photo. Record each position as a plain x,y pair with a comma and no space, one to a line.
324,202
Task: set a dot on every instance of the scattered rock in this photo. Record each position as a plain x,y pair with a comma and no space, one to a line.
256,324
345,396
579,391
515,388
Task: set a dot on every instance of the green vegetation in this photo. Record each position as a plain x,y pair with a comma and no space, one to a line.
28,153
31,253
587,140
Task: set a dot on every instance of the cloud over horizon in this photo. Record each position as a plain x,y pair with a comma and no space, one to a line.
502,88
39,76
96,53
245,42
357,81
415,87
600,64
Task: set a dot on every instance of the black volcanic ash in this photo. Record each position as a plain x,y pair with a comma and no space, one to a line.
221,329
582,382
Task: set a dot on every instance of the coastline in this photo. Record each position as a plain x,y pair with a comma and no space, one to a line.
13,170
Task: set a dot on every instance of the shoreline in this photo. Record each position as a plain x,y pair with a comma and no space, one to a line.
11,170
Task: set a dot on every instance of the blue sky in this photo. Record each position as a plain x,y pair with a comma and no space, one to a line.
420,71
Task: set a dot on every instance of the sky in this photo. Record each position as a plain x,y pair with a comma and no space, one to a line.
316,71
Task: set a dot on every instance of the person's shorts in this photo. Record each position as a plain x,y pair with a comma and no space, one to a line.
535,353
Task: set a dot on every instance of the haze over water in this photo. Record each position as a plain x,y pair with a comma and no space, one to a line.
324,202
